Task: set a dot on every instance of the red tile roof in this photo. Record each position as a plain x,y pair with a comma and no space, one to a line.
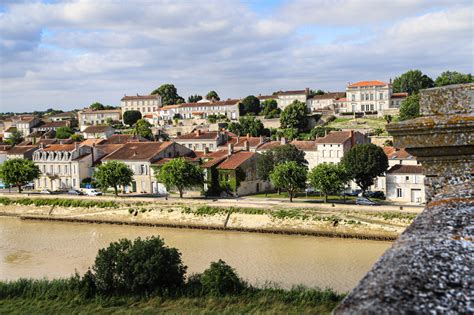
337,137
97,129
270,145
138,151
60,147
368,83
305,145
124,138
405,169
207,104
21,149
139,97
397,154
202,135
240,141
399,95
235,160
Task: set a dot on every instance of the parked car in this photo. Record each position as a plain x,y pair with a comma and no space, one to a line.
354,193
46,192
28,186
75,192
375,194
4,186
93,192
365,201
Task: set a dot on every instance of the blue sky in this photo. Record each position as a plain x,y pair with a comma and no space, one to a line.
69,54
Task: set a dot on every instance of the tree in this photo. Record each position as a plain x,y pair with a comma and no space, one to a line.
294,116
15,138
113,174
97,106
410,107
317,92
64,132
130,117
77,137
139,267
328,178
143,129
289,176
194,98
249,105
363,163
169,94
411,82
221,279
453,77
284,153
181,174
321,131
18,172
270,109
213,96
247,125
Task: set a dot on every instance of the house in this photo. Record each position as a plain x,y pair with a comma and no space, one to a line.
285,98
21,152
145,104
3,152
66,116
310,149
141,156
399,156
405,183
325,101
124,138
333,146
24,124
201,110
89,117
233,172
63,166
98,132
373,97
51,125
202,140
246,143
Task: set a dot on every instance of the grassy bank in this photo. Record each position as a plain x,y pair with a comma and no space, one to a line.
58,202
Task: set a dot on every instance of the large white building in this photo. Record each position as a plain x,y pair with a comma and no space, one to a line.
201,110
145,104
89,117
285,98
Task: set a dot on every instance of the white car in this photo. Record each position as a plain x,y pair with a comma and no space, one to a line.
93,192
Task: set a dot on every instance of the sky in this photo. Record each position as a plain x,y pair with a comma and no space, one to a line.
69,54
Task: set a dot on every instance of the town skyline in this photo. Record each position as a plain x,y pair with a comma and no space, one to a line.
69,55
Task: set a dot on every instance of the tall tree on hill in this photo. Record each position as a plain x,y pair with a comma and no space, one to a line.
113,174
180,174
169,94
18,172
269,109
453,77
411,82
410,107
194,98
249,105
328,178
363,163
97,106
213,96
294,116
143,129
247,126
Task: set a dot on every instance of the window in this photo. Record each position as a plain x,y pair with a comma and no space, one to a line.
399,193
353,97
407,178
143,169
381,96
371,107
324,153
371,96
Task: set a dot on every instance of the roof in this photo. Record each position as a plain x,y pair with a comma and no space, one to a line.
124,138
199,135
60,147
305,145
240,141
342,99
65,114
92,142
266,97
331,95
97,129
397,154
103,111
140,97
16,150
295,92
52,124
399,95
270,145
368,83
228,102
337,137
235,160
405,169
138,151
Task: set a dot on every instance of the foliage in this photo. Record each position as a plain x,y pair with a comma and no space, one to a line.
378,131
269,109
130,117
97,106
169,94
214,118
64,132
248,125
316,92
388,143
321,131
59,202
294,116
18,172
280,154
453,77
221,279
113,174
181,174
289,176
194,98
15,138
363,163
412,81
288,133
328,178
248,105
410,107
388,118
143,129
77,137
213,96
139,267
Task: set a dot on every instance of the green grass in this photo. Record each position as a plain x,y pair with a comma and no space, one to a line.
209,211
303,196
59,202
358,123
390,215
63,296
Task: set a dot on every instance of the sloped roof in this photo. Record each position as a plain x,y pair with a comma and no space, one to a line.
60,147
294,92
140,97
16,150
399,95
405,169
235,160
331,95
270,145
305,145
202,135
138,151
124,138
368,83
337,137
397,154
97,129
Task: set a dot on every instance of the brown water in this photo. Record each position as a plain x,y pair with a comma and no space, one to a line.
56,249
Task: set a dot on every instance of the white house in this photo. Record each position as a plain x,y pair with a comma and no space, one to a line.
285,98
325,101
88,117
145,104
98,132
405,183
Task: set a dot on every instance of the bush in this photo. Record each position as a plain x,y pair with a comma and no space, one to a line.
221,279
141,266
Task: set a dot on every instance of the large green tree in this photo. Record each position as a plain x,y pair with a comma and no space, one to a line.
169,94
97,106
249,105
194,98
269,109
410,107
64,132
113,174
143,129
213,96
289,176
180,174
328,178
130,117
411,82
18,172
294,116
267,161
364,163
453,77
247,125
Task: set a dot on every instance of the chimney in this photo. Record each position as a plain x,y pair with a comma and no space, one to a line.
230,149
134,153
137,94
246,146
248,136
238,138
262,139
198,132
283,140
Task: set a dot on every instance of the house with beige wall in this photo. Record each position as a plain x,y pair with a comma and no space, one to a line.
200,140
201,110
145,104
405,183
88,117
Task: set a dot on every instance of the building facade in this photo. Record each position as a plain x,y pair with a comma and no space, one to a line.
405,183
203,140
325,101
201,110
285,98
88,117
145,104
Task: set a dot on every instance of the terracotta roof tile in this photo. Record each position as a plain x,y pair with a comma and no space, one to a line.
202,135
337,137
368,83
270,145
97,129
124,138
405,169
397,154
60,147
235,160
16,150
399,95
305,145
139,151
139,97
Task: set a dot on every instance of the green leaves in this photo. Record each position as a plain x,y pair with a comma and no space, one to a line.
247,125
289,176
130,117
18,172
328,178
412,81
113,174
410,107
169,94
180,174
294,116
143,129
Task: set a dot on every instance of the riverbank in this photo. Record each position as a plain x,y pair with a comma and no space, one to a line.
274,218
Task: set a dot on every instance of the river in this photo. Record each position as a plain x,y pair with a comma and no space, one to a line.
57,249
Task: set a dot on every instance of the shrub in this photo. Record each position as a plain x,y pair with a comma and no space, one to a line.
141,266
221,279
